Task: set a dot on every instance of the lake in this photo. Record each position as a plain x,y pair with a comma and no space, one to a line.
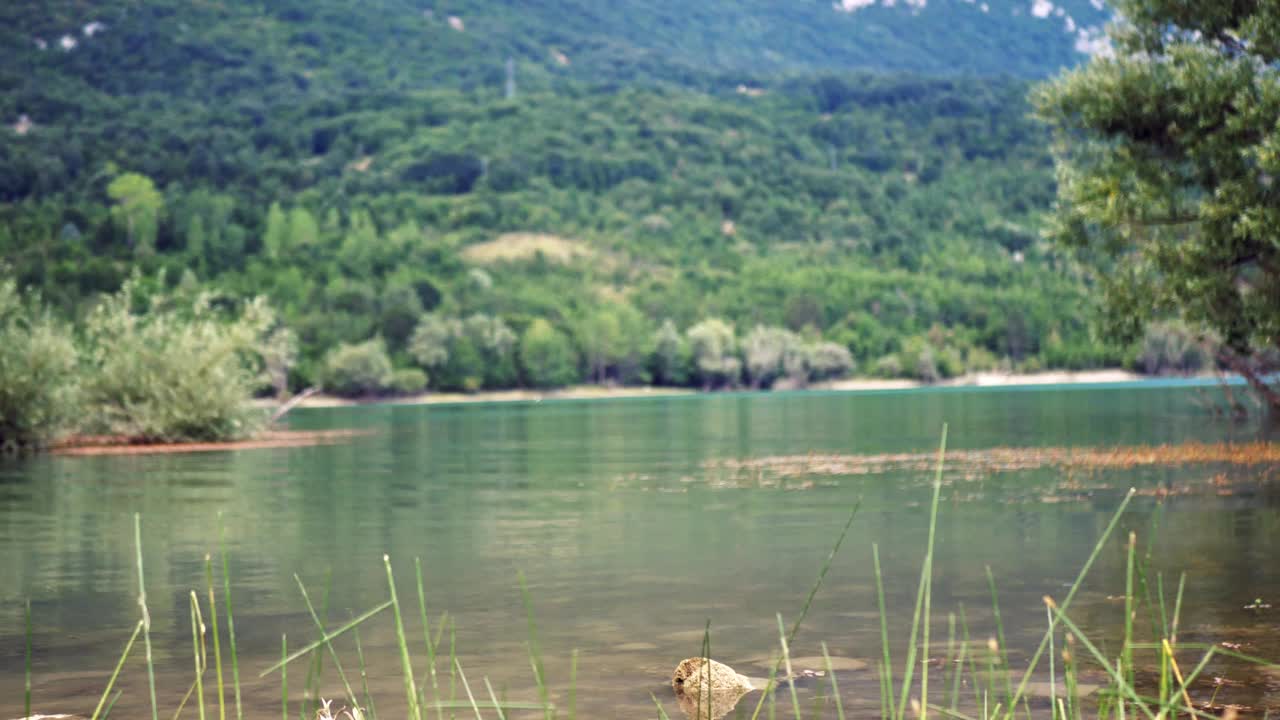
635,522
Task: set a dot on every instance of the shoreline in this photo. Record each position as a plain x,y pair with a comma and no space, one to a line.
603,392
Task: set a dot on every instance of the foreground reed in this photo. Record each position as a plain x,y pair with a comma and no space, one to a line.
1164,693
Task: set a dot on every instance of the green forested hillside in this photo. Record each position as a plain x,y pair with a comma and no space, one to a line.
366,169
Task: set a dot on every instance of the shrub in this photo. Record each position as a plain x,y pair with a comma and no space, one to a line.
829,360
1171,348
408,381
172,368
39,389
359,369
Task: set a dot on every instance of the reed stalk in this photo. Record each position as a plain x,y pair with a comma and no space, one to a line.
146,616
786,659
808,602
231,622
923,596
284,677
198,651
370,712
411,693
26,685
106,692
327,637
426,635
494,698
835,688
328,643
884,636
1071,593
217,645
535,657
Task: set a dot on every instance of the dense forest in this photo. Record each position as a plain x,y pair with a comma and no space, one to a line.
422,204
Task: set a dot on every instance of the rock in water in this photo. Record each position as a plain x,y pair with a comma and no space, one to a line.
706,689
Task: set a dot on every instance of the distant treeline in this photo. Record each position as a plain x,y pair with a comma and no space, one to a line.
893,216
373,175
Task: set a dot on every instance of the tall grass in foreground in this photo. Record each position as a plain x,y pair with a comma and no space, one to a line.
913,692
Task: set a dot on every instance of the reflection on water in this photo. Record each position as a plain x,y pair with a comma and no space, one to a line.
629,549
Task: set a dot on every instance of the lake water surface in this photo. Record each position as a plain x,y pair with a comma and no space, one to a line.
632,533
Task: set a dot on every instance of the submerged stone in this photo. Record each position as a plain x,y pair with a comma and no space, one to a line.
707,689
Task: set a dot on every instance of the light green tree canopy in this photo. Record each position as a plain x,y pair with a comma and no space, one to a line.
137,208
1168,154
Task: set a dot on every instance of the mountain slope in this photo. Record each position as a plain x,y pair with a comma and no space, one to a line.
415,43
363,165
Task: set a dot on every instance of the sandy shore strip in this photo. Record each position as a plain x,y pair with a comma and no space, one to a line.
589,392
578,392
993,379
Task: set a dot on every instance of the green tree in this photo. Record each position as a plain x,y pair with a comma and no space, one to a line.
669,359
614,340
547,356
276,235
137,209
1168,162
714,348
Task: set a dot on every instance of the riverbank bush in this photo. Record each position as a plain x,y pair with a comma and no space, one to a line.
39,383
359,369
171,367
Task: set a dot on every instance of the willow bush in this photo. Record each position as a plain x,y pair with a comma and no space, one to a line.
172,367
39,387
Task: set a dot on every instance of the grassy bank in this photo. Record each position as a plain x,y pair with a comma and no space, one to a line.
1143,669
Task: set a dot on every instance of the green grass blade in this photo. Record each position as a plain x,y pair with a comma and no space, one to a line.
146,616
197,633
410,692
370,712
808,602
1053,678
1177,609
573,685
494,698
337,664
786,659
106,692
923,595
426,636
26,702
835,688
1126,649
284,677
662,714
217,645
467,687
1004,647
329,636
1114,671
1071,593
231,621
884,632
107,713
535,657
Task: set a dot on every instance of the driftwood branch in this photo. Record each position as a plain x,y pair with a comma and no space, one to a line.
293,403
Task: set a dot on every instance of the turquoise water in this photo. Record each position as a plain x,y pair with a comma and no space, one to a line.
632,536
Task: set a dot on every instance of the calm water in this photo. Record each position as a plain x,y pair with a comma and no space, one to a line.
629,542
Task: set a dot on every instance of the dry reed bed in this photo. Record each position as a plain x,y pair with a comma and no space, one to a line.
971,463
